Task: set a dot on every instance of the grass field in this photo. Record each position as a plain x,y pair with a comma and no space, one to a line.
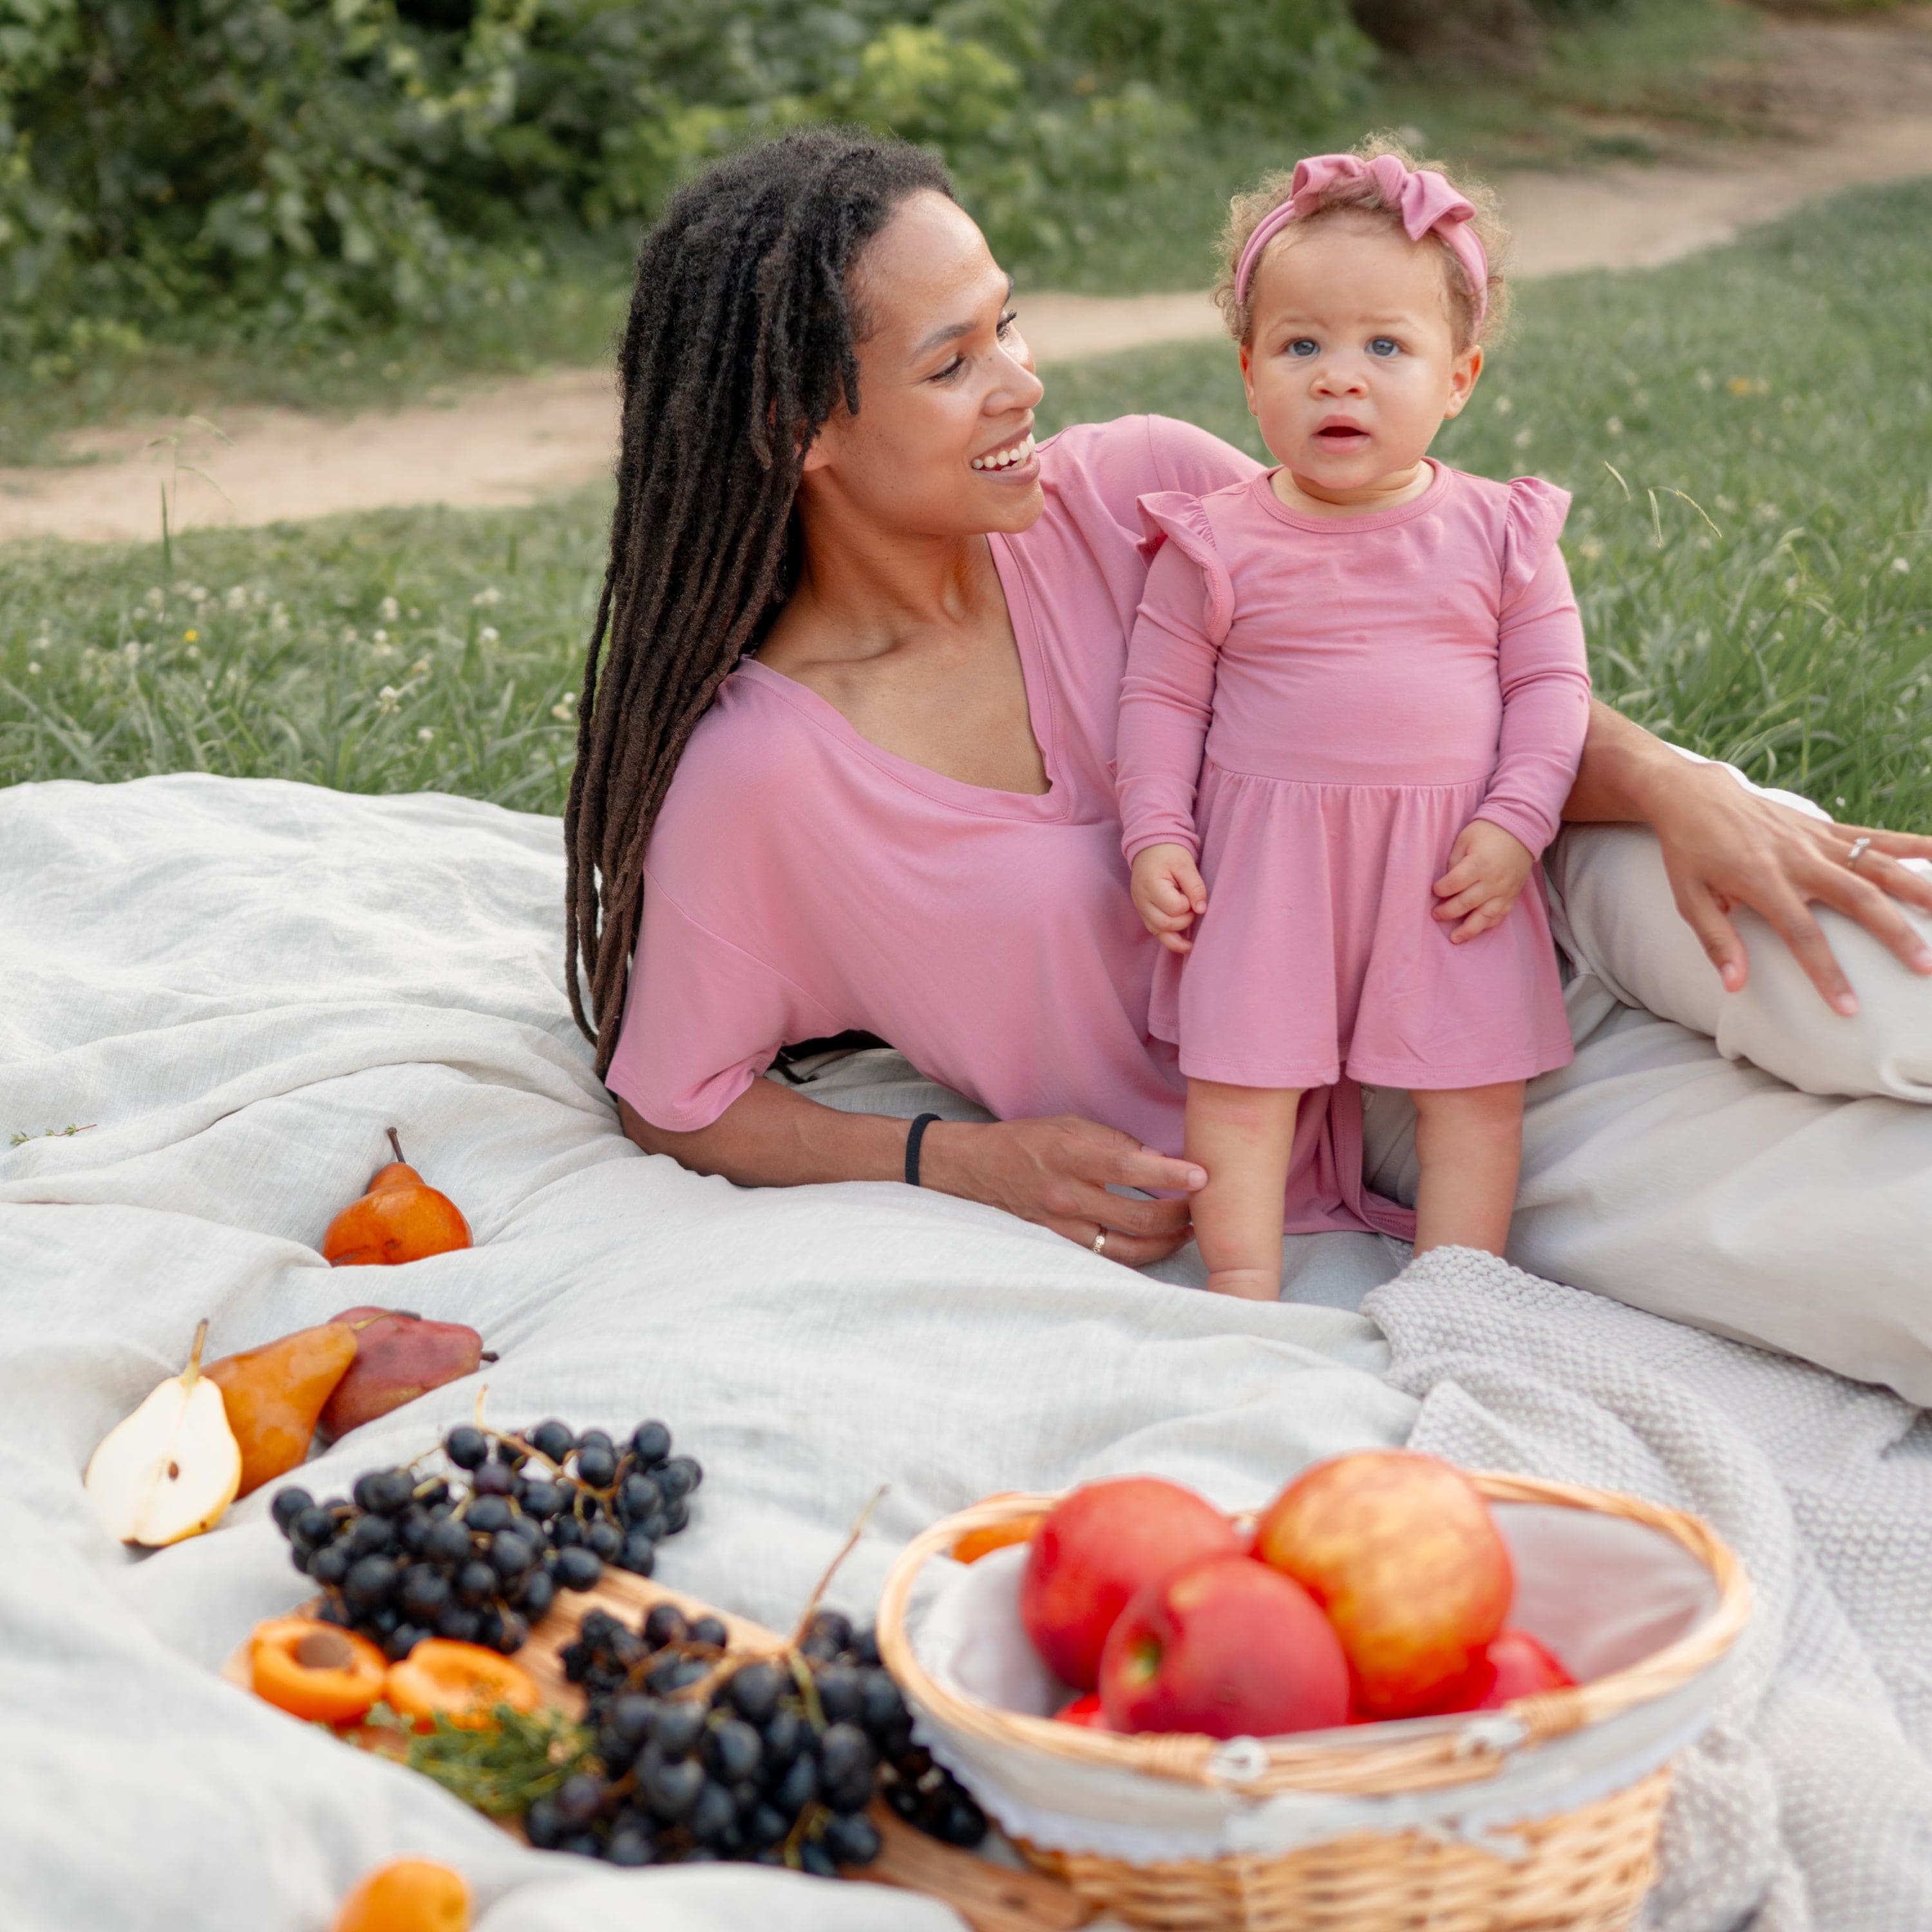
1634,81
1746,436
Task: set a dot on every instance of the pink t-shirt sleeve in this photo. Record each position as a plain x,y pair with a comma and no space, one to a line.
1167,698
702,1019
1544,671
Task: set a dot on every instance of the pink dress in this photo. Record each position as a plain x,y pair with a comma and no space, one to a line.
1316,706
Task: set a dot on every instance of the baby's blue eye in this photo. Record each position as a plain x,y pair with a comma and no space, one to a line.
1304,345
1384,346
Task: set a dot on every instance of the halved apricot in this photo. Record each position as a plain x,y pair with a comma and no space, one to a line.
314,1670
407,1895
461,1681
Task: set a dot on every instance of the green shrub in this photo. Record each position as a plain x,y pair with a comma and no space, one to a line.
302,169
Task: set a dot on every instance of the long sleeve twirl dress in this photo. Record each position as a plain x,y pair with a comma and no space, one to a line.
1316,707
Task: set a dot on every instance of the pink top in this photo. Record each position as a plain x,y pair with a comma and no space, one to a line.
1316,707
987,934
1436,643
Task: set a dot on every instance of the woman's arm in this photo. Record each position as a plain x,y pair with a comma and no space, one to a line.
1055,1172
1725,847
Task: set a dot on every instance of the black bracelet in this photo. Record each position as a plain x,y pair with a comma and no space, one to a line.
914,1134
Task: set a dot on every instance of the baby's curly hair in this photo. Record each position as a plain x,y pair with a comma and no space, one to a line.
1364,196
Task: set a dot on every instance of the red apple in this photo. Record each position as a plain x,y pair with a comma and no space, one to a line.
1084,1711
1516,1666
1227,1647
1401,1552
1095,1549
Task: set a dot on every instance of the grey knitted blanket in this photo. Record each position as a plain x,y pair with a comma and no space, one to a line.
1808,1807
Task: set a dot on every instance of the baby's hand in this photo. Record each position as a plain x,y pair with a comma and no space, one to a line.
1487,868
1169,894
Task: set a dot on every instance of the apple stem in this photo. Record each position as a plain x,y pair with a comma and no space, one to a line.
397,1145
193,1368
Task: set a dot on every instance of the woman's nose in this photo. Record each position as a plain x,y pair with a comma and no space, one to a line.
1020,387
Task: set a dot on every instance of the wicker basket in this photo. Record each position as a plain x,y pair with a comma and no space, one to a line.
1586,1870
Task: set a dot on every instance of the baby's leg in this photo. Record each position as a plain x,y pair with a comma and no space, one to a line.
1243,1137
1468,1145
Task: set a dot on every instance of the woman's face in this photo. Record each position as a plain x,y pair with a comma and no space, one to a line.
942,443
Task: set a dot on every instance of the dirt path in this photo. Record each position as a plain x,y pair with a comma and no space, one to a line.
1865,90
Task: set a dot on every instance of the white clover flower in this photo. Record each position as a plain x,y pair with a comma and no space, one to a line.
1590,550
489,634
278,617
380,637
197,593
192,653
488,596
1524,437
155,598
350,634
564,710
1504,405
1706,381
33,668
1901,564
237,598
385,650
389,610
387,698
421,668
1615,425
424,733
131,650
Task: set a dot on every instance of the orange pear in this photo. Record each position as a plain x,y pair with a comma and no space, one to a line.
274,1395
401,1218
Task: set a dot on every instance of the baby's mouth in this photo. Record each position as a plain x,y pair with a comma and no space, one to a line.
1336,433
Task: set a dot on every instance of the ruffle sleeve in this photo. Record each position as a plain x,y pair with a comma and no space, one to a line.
1172,516
1533,521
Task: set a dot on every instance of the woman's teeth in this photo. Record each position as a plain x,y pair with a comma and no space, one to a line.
1005,459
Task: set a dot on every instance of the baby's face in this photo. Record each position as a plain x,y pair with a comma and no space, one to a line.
1351,366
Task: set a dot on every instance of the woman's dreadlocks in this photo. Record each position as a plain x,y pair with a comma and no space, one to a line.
740,342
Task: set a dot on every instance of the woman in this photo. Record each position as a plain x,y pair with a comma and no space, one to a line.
853,683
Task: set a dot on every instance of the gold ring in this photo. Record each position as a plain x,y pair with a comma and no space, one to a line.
1859,848
1100,1241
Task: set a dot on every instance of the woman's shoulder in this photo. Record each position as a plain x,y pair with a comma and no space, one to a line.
1119,462
748,761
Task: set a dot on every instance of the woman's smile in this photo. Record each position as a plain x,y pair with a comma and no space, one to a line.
1013,459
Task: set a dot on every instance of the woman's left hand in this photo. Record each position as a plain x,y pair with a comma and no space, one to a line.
1725,847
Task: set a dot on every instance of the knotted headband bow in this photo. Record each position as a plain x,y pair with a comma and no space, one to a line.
1423,198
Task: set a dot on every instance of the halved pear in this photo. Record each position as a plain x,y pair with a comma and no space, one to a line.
172,1467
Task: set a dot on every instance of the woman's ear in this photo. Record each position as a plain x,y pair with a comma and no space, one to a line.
1462,374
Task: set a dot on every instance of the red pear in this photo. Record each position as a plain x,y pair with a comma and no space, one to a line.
399,1356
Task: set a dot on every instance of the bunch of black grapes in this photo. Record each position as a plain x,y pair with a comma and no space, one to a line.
770,1760
479,1555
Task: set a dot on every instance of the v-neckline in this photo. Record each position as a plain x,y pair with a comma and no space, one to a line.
986,801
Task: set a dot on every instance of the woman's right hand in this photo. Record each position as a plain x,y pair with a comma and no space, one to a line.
1056,1173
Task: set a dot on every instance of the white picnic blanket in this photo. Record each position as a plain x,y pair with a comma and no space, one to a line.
234,987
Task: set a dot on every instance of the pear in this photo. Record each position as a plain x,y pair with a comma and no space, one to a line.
401,1218
172,1467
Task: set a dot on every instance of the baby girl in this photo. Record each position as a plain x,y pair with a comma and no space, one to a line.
1354,702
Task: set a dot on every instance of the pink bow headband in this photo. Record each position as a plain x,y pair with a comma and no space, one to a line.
1423,198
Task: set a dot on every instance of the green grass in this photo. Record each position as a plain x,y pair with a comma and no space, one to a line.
1634,81
1746,435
